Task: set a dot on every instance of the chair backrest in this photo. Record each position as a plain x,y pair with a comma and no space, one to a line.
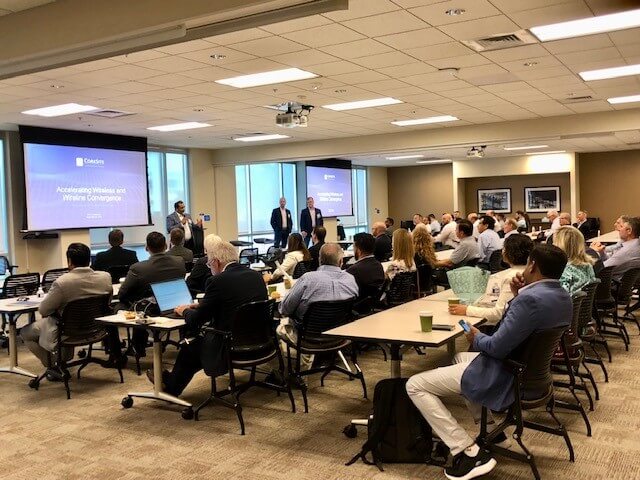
21,284
252,328
495,261
248,256
117,272
77,323
586,308
401,288
301,268
51,276
323,316
627,284
425,278
603,292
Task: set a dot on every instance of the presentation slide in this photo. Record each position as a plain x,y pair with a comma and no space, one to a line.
80,187
331,190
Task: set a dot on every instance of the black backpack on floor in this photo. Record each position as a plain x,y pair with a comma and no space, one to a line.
398,433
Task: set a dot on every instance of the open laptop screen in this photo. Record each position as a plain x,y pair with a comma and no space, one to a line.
171,294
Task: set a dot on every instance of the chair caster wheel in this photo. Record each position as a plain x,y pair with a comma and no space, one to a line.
127,402
350,431
82,353
187,413
34,383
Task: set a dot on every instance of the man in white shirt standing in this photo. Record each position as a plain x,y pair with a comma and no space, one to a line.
447,235
180,219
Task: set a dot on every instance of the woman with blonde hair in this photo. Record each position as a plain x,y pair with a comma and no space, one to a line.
423,247
402,258
579,269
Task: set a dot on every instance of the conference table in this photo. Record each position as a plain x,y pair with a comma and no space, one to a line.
11,308
610,237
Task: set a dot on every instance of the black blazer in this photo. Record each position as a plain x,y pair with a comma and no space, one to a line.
305,220
224,293
276,220
114,256
382,248
159,267
369,276
314,250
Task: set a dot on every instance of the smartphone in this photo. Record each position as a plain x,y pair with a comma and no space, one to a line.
464,326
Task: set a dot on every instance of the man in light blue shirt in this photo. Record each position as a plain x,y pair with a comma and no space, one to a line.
488,240
627,256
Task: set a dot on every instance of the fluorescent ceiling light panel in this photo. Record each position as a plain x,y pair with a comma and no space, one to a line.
423,121
404,157
546,153
615,72
587,26
260,138
433,162
174,127
629,99
267,78
59,110
529,147
374,102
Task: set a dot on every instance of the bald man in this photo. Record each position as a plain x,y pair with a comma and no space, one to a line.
382,248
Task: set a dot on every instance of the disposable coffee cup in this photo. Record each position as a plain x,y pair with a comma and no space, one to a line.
272,288
453,301
426,321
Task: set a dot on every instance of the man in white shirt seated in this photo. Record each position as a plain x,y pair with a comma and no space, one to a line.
488,240
447,235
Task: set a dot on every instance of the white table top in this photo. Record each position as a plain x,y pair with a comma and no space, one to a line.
12,305
160,323
610,237
401,324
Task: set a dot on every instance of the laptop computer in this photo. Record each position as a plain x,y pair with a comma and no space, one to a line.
171,294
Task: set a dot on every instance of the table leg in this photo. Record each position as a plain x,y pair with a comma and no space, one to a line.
451,347
13,353
396,359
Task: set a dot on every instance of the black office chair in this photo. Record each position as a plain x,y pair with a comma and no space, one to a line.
51,276
530,365
251,343
320,317
5,266
77,327
117,272
301,268
248,256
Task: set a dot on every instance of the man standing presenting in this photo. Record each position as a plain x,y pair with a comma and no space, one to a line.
310,218
180,219
282,224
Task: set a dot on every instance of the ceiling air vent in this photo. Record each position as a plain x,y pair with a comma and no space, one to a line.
499,42
109,113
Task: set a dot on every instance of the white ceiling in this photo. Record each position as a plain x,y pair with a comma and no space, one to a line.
376,48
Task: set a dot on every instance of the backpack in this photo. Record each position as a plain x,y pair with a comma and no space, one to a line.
398,433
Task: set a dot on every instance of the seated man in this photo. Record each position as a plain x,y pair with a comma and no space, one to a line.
466,250
382,247
230,287
137,284
540,304
201,272
367,270
627,256
116,255
328,283
317,237
178,249
447,235
488,240
41,337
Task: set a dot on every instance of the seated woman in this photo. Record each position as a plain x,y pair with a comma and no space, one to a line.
423,247
579,269
515,252
402,256
296,252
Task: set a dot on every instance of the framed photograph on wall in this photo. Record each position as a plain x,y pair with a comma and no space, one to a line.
496,199
541,199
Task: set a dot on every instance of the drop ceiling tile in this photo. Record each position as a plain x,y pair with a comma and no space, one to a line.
440,51
480,28
303,58
334,68
362,8
265,47
303,23
359,48
237,37
386,23
436,14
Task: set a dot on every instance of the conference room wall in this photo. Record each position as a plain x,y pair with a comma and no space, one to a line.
609,185
424,189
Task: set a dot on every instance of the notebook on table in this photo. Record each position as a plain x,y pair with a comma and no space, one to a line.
171,294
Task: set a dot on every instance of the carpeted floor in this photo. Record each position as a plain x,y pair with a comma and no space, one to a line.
44,436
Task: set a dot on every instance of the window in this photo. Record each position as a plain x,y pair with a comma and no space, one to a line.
359,221
168,176
3,204
258,188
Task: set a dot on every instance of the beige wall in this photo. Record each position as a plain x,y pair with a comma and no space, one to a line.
517,185
609,185
424,189
377,194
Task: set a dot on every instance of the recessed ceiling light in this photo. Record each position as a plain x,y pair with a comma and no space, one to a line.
546,153
218,56
433,162
588,26
530,64
404,157
528,147
423,121
454,12
628,99
374,102
260,138
59,110
615,72
267,78
179,126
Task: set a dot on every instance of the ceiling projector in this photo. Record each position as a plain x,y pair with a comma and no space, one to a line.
476,152
293,115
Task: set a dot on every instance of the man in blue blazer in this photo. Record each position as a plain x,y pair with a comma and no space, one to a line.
310,218
282,223
540,303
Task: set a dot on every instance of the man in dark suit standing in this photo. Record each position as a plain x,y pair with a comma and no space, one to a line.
180,219
137,284
116,255
282,223
585,225
230,287
367,270
310,218
318,236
